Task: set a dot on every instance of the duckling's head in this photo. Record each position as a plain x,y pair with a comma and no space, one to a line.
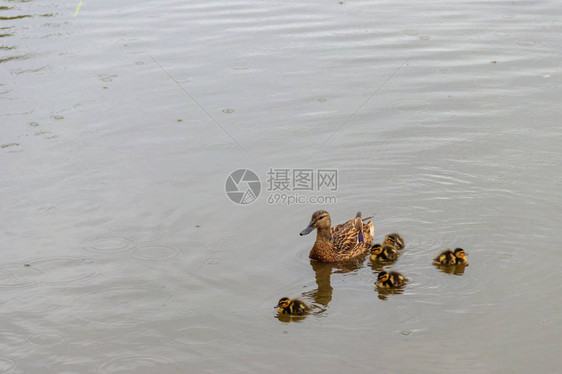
320,220
382,277
394,240
459,253
283,303
376,249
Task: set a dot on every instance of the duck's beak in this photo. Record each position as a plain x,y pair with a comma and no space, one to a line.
308,229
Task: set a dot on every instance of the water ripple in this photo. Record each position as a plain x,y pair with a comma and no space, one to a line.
155,252
200,335
137,363
116,306
64,269
19,276
139,234
110,244
6,364
46,339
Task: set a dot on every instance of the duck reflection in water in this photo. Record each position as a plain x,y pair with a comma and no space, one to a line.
455,269
384,292
320,297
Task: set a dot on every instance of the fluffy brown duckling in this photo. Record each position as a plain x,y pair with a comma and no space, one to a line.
450,258
385,252
392,279
295,307
394,240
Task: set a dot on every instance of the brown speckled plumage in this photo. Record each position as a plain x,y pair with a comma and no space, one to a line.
339,243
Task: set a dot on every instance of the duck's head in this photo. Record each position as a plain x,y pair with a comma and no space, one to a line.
283,303
459,253
376,249
320,220
394,240
382,277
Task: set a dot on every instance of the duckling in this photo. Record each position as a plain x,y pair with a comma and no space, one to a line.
294,307
392,279
343,242
384,252
450,258
394,240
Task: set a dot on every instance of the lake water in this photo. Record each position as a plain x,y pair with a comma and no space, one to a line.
120,123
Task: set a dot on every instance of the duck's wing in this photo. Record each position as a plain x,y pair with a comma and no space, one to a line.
444,258
346,236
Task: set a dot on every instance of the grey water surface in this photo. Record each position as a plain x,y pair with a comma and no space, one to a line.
120,123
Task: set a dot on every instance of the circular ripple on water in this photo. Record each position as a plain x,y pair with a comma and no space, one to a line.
11,338
21,232
155,252
64,269
139,234
247,125
35,304
136,364
240,65
276,133
183,178
19,276
411,106
6,364
77,204
213,261
93,185
411,32
218,146
46,339
200,335
116,306
110,244
527,43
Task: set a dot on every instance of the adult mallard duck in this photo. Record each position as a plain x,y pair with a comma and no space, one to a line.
450,258
392,279
295,307
384,253
394,240
342,242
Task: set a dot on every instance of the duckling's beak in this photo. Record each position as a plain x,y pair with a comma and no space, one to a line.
308,229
